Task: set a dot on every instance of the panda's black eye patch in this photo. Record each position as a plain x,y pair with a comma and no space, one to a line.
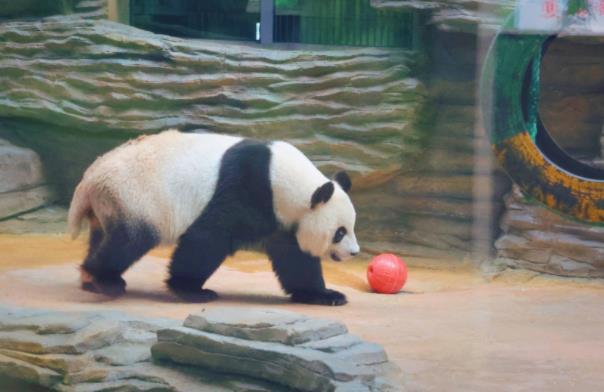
340,233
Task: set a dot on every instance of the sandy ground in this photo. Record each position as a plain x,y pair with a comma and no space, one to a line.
449,330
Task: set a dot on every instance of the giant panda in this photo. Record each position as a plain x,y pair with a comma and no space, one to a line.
212,195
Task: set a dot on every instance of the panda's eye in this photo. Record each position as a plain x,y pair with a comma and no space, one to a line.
340,233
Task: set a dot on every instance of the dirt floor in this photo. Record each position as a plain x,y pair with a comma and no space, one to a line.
449,330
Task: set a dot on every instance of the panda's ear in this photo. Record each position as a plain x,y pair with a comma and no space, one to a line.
322,194
343,179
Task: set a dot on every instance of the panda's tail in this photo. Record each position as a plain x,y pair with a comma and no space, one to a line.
79,208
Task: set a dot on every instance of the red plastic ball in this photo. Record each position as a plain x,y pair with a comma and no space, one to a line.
387,274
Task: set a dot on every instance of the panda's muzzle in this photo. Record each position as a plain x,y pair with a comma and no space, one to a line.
335,257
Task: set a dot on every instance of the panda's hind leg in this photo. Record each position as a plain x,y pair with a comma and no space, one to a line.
299,273
111,252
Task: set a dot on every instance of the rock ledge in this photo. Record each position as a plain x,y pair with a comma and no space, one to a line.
222,349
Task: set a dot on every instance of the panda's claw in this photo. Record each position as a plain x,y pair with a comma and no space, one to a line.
325,297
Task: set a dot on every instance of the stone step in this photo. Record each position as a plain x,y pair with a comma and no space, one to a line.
60,363
282,347
46,323
94,14
15,368
265,325
97,335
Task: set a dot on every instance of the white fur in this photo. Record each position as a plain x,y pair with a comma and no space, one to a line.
295,179
167,180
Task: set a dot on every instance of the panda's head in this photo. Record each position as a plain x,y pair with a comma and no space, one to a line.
327,229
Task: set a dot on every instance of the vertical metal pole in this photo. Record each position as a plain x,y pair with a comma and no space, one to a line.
267,18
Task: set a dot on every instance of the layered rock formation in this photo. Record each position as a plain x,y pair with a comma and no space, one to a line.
430,209
225,350
78,351
89,85
91,9
51,219
538,239
22,183
287,348
73,88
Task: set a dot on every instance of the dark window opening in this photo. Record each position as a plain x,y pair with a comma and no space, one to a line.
211,19
343,22
321,22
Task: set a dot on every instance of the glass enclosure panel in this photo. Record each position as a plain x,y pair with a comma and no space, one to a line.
343,22
212,19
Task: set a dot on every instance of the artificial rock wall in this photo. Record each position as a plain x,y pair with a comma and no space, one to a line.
22,182
541,240
405,128
72,88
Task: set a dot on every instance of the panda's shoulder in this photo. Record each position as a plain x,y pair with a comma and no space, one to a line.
288,160
285,150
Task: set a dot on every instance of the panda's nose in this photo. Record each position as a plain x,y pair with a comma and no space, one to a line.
354,253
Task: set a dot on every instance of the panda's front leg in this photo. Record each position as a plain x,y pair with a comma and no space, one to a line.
299,273
198,254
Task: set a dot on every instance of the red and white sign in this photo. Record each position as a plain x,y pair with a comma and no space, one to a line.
539,15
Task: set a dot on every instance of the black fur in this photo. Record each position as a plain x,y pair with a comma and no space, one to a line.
239,215
113,251
322,194
343,179
299,273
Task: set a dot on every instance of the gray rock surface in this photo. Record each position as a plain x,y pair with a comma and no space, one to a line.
291,350
52,219
355,104
90,9
109,351
95,351
22,183
264,325
539,239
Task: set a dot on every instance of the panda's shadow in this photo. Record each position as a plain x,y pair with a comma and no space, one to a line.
229,298
253,299
155,296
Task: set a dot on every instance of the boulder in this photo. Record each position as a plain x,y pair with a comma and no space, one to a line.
286,348
265,325
22,182
539,239
52,219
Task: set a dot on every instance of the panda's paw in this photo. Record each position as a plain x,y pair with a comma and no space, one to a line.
109,287
325,297
196,296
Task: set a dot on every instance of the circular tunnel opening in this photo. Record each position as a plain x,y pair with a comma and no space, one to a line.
570,121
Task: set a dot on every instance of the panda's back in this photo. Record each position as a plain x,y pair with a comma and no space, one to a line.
165,180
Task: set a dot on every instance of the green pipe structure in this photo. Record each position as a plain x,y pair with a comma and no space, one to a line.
509,103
